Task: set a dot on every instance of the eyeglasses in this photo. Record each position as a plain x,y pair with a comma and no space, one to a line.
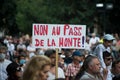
108,59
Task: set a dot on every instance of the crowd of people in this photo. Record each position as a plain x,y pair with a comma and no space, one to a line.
100,60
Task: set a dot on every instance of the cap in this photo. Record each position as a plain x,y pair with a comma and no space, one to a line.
76,53
108,37
12,68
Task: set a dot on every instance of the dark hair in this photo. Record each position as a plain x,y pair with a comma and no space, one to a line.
50,52
115,62
116,77
11,69
106,54
85,66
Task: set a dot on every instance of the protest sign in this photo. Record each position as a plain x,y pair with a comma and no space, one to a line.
58,36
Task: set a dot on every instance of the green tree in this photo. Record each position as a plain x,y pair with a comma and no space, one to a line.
53,12
7,16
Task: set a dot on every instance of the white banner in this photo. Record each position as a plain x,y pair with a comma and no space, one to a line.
58,36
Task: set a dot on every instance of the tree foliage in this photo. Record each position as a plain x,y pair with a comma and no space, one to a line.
19,15
53,12
7,16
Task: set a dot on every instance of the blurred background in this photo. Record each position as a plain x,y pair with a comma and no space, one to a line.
100,16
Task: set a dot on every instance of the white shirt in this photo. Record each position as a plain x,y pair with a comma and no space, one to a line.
94,41
60,74
11,47
3,66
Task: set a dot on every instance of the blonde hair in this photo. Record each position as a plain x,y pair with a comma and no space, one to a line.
34,66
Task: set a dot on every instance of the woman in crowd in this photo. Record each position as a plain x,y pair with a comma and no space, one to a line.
37,68
14,71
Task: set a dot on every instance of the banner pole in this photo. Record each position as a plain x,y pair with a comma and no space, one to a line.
56,67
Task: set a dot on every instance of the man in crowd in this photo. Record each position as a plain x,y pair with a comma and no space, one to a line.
51,53
73,68
90,69
100,48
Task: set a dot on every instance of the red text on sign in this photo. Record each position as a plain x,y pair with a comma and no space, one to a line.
39,42
40,29
68,42
56,30
51,42
75,31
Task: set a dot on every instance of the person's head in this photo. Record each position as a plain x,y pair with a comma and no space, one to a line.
3,50
93,35
91,65
116,67
37,68
14,71
108,40
51,53
107,58
22,59
77,55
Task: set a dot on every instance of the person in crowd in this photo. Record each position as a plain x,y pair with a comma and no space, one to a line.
22,60
14,71
31,50
11,49
51,53
90,69
116,69
21,46
93,40
37,68
3,63
105,46
107,57
73,68
5,41
87,49
68,57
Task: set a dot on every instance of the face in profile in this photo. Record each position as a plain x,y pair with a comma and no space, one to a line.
117,68
95,66
44,72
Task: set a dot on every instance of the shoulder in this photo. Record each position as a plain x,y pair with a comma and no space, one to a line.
7,61
60,69
85,77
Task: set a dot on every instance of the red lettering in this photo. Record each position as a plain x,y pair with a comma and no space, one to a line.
40,29
61,42
75,40
39,42
56,31
36,30
67,42
66,26
51,42
78,43
70,31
